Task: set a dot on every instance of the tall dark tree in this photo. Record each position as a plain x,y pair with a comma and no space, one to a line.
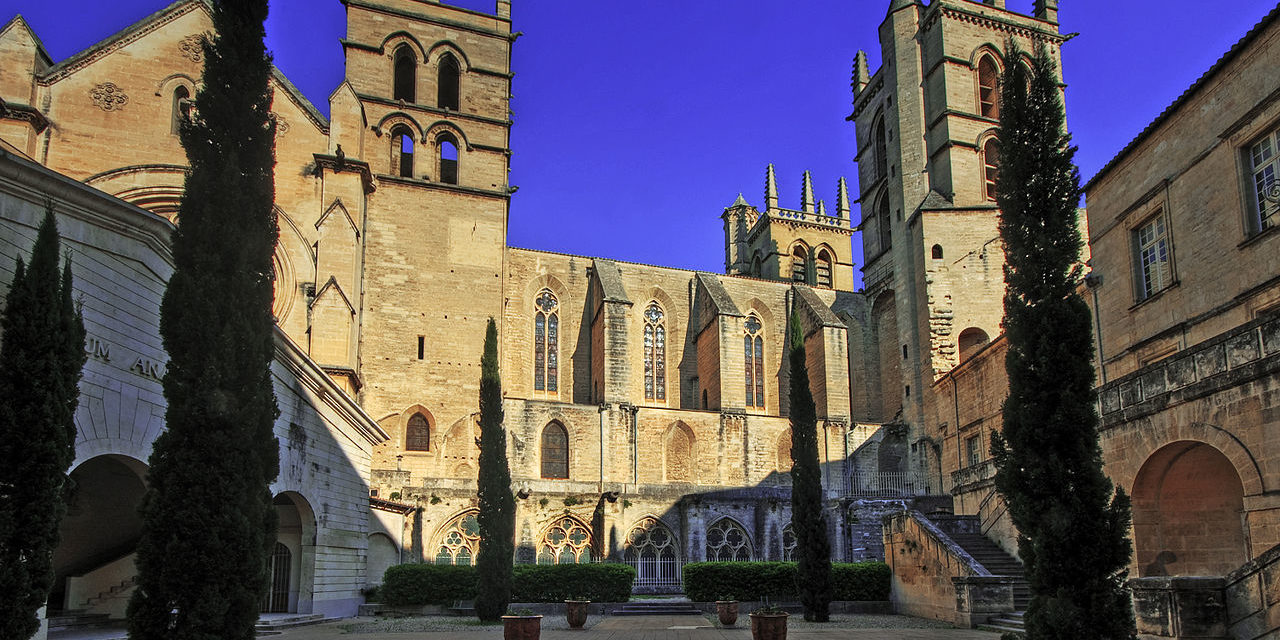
1072,526
808,519
208,519
40,363
497,517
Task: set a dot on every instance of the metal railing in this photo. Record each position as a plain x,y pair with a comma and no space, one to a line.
656,572
882,484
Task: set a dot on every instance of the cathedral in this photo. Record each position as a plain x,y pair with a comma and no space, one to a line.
646,406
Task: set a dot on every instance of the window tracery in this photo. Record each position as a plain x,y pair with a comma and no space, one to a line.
789,543
655,353
651,549
460,541
753,346
727,542
567,541
546,342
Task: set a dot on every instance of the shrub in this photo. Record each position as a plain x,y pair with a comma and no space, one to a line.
607,582
418,584
709,581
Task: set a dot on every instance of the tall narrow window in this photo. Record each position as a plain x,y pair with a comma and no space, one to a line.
822,268
546,342
799,264
753,345
417,435
988,88
555,451
402,151
447,82
181,107
1152,243
884,222
448,158
1264,165
990,167
655,353
406,70
881,150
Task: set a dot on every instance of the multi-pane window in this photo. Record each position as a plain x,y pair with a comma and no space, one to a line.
655,353
460,542
417,435
973,450
988,88
546,342
990,167
1264,165
651,549
1151,241
555,451
753,346
727,542
789,543
566,542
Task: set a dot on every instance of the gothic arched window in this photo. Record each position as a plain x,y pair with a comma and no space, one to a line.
402,151
822,268
655,353
448,159
789,543
651,549
460,541
546,342
881,147
406,71
727,541
567,541
181,107
555,452
799,264
884,223
988,88
753,346
990,167
417,434
447,82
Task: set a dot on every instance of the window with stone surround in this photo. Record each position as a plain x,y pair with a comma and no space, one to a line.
402,151
546,342
655,353
651,549
447,81
566,541
448,157
990,167
988,87
1153,262
753,347
1264,176
822,268
973,450
555,451
460,541
406,71
799,264
182,106
789,543
884,222
727,541
417,436
881,149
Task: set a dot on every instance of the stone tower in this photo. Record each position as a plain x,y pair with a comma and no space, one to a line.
807,245
423,125
925,125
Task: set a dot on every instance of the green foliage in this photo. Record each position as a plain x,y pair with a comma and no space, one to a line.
497,515
40,364
808,519
1072,525
208,519
709,581
417,584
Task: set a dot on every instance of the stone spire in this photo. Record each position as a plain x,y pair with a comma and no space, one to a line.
861,75
822,207
842,199
770,189
806,194
740,202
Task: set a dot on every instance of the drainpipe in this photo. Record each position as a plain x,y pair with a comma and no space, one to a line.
1093,281
600,487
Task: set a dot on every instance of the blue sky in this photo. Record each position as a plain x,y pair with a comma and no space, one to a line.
636,123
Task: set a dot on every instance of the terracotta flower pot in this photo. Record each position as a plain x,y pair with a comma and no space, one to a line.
769,626
727,610
575,611
521,627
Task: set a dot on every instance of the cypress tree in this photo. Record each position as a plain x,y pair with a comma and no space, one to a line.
497,517
208,519
40,364
1072,526
808,519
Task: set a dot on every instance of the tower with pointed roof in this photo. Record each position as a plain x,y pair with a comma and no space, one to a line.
805,244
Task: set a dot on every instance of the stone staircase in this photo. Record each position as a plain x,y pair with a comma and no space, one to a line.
77,620
273,623
664,607
1006,623
963,530
122,590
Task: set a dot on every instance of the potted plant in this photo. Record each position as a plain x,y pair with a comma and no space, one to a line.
575,612
521,624
769,623
727,610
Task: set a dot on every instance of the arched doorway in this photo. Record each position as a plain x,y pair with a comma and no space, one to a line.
383,554
292,563
94,562
1188,503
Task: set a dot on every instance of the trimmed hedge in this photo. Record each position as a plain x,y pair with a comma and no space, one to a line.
709,581
419,584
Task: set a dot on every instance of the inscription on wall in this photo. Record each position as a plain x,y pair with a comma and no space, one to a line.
99,349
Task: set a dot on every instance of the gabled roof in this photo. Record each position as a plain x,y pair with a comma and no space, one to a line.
1195,87
610,278
312,112
124,36
18,22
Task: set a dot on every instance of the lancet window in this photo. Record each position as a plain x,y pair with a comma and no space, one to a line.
546,342
789,543
799,264
448,159
417,434
990,167
402,151
460,541
447,90
655,353
988,88
822,268
753,346
555,451
651,549
406,70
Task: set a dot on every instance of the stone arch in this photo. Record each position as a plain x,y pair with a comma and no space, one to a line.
433,131
293,586
401,118
800,255
566,540
457,541
441,47
884,322
402,427
988,148
1188,512
654,551
728,541
384,553
459,443
1141,446
397,38
971,341
554,450
680,454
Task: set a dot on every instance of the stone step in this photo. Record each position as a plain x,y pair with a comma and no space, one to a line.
64,620
274,623
657,608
